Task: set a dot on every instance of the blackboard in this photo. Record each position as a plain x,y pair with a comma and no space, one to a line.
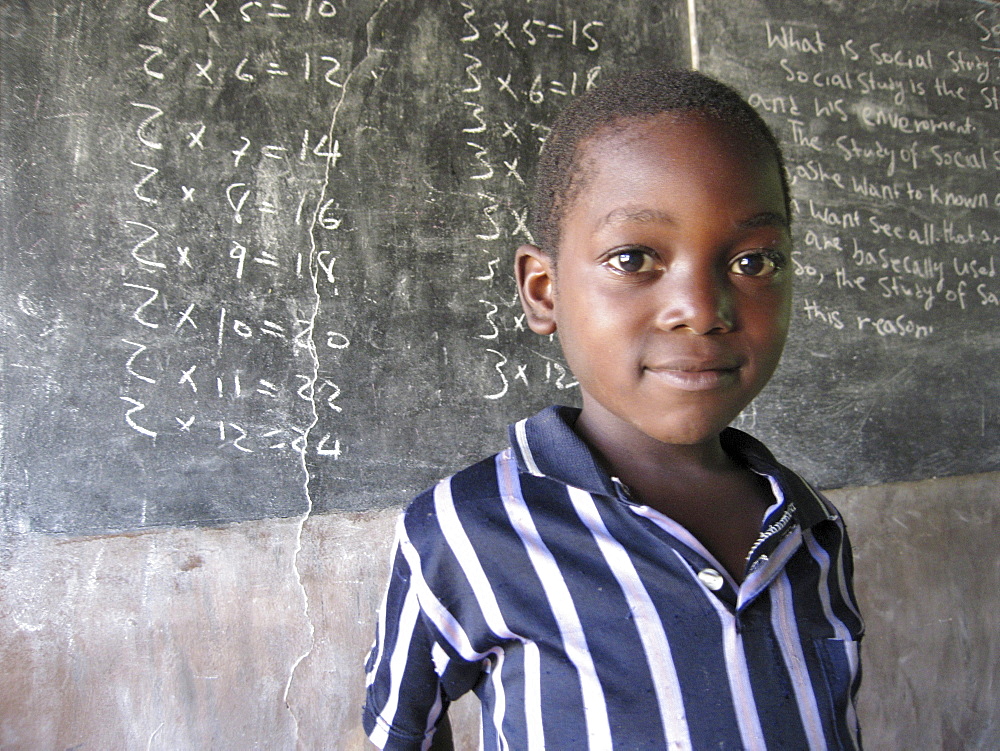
889,113
256,255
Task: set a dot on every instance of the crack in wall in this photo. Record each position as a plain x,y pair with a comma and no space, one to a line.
372,58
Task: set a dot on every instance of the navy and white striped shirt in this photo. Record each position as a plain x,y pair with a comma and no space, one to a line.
583,620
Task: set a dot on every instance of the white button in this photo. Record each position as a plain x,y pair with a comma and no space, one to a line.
711,579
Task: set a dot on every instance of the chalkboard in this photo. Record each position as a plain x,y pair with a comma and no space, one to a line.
255,256
889,113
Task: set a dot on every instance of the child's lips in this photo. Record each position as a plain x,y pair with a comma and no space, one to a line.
694,374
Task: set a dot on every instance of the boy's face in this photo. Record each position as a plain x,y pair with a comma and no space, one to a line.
672,288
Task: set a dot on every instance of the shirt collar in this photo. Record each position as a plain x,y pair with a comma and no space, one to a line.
546,445
810,507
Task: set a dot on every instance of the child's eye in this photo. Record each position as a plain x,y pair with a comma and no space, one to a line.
758,263
631,261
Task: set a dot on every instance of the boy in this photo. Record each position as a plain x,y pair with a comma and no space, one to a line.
635,575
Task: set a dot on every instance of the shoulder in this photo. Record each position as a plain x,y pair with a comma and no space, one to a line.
543,458
461,497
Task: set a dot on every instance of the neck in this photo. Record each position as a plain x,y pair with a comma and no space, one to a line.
697,485
637,458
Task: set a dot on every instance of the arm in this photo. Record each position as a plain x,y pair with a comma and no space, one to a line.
411,663
403,695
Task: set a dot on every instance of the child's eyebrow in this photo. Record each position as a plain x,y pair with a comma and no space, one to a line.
765,219
622,215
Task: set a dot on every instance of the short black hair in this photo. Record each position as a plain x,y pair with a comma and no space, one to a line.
637,95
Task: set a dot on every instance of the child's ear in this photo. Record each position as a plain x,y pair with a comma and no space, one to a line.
535,272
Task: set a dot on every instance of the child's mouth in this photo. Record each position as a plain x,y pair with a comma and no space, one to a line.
692,374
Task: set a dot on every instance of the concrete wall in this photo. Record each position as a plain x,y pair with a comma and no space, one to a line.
252,636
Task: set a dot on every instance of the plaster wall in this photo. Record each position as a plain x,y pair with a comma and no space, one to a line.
253,635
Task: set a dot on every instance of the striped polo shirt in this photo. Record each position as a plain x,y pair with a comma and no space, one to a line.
584,620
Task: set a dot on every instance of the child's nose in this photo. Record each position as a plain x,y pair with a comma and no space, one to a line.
696,300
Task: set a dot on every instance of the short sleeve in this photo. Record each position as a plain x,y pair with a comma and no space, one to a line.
412,672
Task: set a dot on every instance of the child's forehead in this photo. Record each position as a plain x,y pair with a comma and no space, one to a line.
678,143
676,130
658,165
697,142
